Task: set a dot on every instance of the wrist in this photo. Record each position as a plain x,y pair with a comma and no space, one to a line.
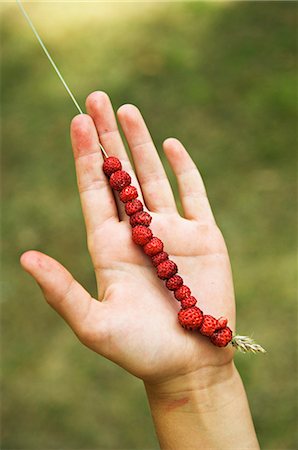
194,391
203,409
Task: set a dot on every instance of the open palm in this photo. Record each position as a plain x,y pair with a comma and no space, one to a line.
135,323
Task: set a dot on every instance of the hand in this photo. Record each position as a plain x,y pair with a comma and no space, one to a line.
196,396
135,322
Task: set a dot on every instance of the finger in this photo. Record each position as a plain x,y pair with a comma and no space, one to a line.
97,200
99,107
152,177
61,290
191,187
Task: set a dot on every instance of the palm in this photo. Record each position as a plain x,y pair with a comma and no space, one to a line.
143,333
136,323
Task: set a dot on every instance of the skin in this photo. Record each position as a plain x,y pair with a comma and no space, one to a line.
190,383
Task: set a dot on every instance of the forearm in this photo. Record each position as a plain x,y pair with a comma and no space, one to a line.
205,410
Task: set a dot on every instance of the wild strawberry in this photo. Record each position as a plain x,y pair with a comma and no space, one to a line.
182,292
140,218
190,318
119,180
222,337
141,235
166,269
153,247
133,207
188,302
221,323
209,325
128,193
111,165
174,283
159,258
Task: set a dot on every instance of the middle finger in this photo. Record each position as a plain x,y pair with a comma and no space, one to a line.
99,107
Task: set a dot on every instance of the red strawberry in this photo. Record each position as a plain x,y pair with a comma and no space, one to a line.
128,193
119,180
133,207
141,235
221,323
159,258
222,337
174,283
188,302
190,318
182,292
140,218
166,269
209,325
111,165
153,247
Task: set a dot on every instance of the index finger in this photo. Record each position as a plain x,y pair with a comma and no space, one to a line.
97,200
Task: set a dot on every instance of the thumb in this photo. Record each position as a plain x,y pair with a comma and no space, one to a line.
60,289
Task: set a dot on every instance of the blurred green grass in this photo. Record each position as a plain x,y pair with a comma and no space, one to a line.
219,76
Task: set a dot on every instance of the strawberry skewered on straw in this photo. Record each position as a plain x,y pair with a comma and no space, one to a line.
190,316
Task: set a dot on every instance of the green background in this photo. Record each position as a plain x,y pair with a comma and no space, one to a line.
220,77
